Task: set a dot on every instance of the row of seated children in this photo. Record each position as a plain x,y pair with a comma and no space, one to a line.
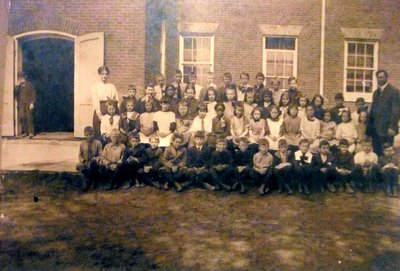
218,168
229,119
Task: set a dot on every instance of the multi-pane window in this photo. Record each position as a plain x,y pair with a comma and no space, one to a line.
196,55
360,65
280,58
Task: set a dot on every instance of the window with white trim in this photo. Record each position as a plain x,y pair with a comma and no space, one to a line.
360,64
280,59
196,54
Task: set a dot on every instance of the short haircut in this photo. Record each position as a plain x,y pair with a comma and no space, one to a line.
384,72
199,134
176,136
260,74
304,140
159,76
228,75
344,142
231,86
130,100
387,145
88,129
276,80
367,140
210,74
282,142
192,75
263,142
165,100
154,137
339,96
134,135
183,103
131,86
114,132
244,139
149,85
220,139
244,74
103,68
178,71
323,143
291,78
360,100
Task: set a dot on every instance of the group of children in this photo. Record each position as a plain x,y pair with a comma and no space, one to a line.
235,137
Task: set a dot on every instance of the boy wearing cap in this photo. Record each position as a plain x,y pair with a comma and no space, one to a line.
133,159
262,167
344,166
243,158
89,149
283,166
198,157
26,98
222,167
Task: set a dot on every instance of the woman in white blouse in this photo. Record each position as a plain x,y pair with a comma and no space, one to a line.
102,92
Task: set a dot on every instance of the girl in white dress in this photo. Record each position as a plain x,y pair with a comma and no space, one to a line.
145,124
347,130
164,122
210,101
256,126
274,128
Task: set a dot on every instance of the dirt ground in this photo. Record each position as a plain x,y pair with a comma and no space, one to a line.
147,229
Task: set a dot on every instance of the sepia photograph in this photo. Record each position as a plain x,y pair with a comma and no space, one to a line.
200,135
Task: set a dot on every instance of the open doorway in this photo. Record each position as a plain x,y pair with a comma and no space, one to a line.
49,64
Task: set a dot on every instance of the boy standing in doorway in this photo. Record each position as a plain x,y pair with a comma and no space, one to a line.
26,98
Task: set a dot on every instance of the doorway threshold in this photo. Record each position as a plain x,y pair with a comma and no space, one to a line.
67,136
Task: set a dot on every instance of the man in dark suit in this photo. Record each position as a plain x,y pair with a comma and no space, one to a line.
384,114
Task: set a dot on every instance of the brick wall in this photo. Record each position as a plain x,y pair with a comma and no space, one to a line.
239,41
122,21
361,14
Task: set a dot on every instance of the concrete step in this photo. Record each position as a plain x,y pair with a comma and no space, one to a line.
39,154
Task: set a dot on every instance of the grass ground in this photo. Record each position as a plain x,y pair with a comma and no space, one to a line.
148,229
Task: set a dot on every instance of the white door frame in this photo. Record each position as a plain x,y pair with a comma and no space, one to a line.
34,35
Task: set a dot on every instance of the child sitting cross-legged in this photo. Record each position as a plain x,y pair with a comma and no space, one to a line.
344,166
197,162
302,166
221,166
283,166
133,160
243,157
389,170
89,149
149,172
324,168
366,167
110,161
262,167
174,163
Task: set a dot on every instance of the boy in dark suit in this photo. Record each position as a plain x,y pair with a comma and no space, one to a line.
302,166
133,159
243,157
26,97
221,166
149,172
324,167
389,170
283,166
198,157
344,166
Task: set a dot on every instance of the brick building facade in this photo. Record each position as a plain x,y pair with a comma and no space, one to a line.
330,46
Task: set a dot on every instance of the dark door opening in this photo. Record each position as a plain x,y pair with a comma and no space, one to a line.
49,64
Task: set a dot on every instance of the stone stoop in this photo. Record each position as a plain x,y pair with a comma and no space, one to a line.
39,154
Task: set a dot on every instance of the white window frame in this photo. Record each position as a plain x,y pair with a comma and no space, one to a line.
181,51
352,96
295,51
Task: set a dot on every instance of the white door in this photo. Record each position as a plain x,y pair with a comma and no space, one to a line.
89,56
7,121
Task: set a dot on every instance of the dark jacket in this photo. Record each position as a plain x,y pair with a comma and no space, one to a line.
221,158
197,158
153,158
278,159
243,158
344,161
317,162
139,152
385,111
